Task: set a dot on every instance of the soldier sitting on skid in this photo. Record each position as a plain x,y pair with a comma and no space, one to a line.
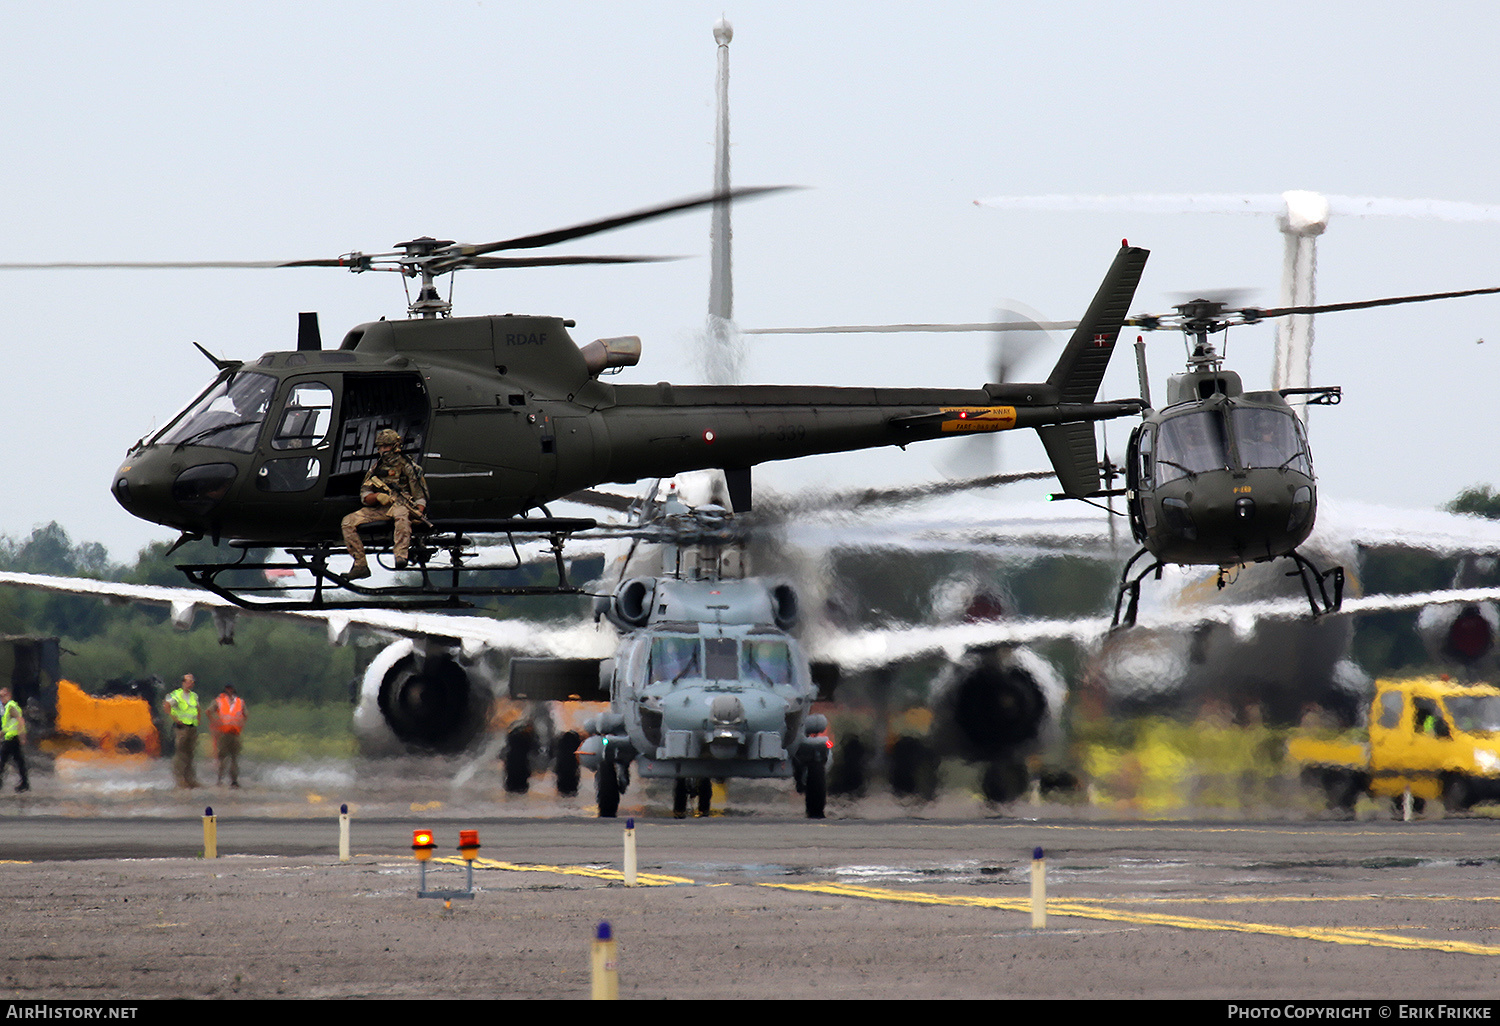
392,490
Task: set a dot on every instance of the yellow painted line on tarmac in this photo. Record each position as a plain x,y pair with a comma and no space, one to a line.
1160,826
1271,899
1328,935
594,872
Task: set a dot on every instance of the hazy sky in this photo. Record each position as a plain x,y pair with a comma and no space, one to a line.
285,131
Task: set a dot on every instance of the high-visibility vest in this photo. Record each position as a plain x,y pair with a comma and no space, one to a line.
11,722
184,707
230,712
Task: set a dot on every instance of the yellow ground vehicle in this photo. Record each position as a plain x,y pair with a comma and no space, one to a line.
61,719
1434,736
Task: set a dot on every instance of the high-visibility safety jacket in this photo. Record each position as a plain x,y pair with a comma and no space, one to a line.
230,714
11,722
184,707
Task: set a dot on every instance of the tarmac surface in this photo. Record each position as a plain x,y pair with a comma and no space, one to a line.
108,897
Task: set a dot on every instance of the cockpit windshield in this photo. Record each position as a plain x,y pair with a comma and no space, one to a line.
1191,443
1269,438
1194,443
674,658
227,416
769,661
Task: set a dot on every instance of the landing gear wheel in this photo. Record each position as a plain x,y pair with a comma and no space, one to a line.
607,789
815,791
848,773
1456,795
1418,806
679,798
565,763
1341,791
518,761
1003,782
705,795
913,769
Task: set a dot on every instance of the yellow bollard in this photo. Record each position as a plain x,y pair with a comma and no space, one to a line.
1038,890
210,834
343,833
605,971
630,852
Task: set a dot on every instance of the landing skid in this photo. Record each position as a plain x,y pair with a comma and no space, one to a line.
1316,585
441,556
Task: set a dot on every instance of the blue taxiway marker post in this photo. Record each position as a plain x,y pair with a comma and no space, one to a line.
1038,890
606,976
630,852
210,833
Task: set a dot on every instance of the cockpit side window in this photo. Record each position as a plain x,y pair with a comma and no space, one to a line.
1145,465
306,417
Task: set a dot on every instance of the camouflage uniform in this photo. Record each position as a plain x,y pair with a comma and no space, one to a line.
401,477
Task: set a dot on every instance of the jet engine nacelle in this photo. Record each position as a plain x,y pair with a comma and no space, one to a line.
424,699
1460,632
998,702
630,606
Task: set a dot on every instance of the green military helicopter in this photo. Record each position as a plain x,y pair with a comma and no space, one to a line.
506,413
1220,476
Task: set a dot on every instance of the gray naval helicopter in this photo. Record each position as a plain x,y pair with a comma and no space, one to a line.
707,681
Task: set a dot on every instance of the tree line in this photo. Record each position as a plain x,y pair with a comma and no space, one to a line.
270,660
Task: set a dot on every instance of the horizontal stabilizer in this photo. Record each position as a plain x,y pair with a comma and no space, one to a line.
1074,457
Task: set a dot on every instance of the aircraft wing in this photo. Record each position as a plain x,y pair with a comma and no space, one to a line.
1431,530
863,650
472,632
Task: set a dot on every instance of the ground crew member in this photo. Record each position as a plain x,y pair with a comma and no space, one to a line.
226,717
182,710
392,490
12,735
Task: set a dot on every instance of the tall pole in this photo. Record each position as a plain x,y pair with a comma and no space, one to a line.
1302,220
722,358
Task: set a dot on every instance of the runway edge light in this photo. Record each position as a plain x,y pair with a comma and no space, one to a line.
468,844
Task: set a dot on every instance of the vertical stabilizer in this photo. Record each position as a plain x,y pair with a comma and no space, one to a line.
1080,370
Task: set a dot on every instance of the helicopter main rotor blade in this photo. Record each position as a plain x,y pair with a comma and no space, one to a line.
1253,314
170,264
871,328
554,261
608,223
863,497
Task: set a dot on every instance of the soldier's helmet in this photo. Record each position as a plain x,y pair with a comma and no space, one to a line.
387,437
